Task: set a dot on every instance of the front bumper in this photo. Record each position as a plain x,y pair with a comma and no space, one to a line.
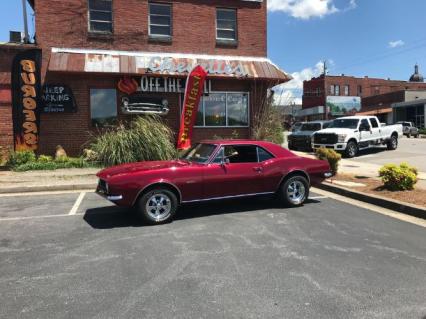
336,147
102,190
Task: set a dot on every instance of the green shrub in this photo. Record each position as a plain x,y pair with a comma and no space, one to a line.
71,162
146,139
20,157
422,131
45,159
331,156
398,178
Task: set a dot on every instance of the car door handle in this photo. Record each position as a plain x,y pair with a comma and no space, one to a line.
258,169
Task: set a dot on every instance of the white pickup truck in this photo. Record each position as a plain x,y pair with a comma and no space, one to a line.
353,133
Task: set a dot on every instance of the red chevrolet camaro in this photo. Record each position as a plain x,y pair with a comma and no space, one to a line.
211,170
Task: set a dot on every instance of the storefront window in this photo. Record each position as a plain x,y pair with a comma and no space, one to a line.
237,109
215,109
223,109
103,106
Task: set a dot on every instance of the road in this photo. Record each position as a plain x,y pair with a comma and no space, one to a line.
73,255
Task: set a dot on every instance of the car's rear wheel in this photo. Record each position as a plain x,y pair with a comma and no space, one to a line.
157,206
294,191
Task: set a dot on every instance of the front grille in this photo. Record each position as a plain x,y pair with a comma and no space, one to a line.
325,138
102,187
301,141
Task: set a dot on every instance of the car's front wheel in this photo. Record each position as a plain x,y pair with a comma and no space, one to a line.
294,191
351,149
157,206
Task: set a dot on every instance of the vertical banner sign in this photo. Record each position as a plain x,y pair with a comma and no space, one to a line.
193,91
26,99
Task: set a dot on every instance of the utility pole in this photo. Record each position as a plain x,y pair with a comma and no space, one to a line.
24,11
325,89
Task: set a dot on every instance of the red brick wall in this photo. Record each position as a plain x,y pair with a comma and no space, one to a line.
370,87
64,24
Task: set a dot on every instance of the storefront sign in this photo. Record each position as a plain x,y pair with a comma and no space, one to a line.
58,98
167,85
193,92
26,99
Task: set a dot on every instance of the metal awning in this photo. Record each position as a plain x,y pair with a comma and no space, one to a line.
175,64
376,111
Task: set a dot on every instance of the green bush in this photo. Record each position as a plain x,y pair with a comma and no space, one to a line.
331,156
398,178
20,158
422,131
45,159
71,162
146,139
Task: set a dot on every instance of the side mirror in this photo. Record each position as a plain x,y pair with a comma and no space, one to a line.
225,159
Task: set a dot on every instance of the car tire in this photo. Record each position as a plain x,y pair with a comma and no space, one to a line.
157,206
351,149
416,136
393,143
294,191
408,135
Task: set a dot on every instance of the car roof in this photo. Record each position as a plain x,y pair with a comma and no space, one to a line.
275,149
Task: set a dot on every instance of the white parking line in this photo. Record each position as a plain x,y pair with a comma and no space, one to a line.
77,203
317,197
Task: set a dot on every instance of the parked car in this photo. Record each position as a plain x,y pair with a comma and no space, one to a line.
409,129
211,170
296,126
301,139
353,133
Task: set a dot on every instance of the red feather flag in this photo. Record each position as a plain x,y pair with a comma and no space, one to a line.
193,91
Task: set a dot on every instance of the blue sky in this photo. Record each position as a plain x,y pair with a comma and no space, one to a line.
378,38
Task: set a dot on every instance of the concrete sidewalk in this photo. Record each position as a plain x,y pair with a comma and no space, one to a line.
352,167
60,179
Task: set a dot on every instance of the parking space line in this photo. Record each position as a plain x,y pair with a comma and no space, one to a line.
5,219
26,194
374,208
317,197
77,203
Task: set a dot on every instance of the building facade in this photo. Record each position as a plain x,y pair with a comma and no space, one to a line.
119,59
329,96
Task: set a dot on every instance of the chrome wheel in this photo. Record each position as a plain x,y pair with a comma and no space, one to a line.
158,206
352,150
296,192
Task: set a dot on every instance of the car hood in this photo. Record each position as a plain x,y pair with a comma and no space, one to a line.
139,167
336,131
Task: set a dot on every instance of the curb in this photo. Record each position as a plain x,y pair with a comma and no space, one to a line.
47,188
405,208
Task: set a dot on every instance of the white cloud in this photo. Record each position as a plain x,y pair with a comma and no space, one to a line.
306,9
395,44
292,91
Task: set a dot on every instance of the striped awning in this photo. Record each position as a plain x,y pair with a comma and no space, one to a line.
148,63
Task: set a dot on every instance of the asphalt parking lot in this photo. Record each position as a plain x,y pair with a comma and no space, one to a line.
74,255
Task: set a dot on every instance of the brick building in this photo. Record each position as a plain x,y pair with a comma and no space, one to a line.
89,46
328,90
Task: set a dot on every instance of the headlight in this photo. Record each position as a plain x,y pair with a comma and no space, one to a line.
341,138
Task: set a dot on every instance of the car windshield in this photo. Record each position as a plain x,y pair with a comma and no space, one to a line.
345,123
311,127
199,153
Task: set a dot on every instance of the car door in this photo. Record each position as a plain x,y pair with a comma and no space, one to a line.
365,133
234,171
376,131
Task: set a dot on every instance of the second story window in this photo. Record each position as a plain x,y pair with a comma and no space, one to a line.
100,16
346,87
160,20
226,25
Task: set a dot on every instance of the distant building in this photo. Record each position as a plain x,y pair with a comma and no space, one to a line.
330,96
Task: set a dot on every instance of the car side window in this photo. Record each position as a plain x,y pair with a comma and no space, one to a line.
263,155
237,154
325,125
374,122
364,123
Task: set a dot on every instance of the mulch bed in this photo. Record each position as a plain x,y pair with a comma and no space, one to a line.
375,186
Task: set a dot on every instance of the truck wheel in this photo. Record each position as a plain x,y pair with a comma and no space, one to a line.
351,149
157,206
416,136
408,135
294,191
393,143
